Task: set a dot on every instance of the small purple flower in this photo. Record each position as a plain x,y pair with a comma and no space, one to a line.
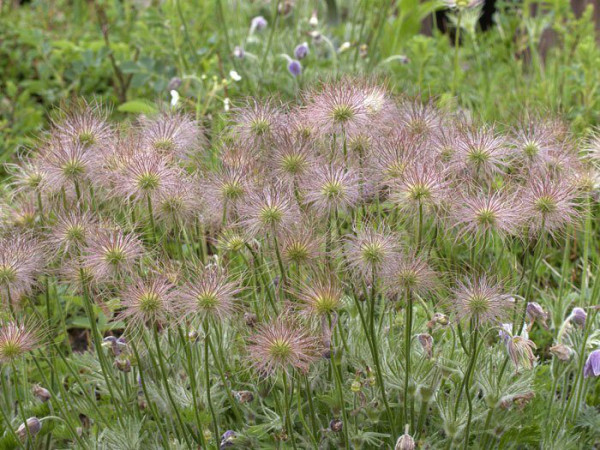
295,68
258,23
592,365
578,316
227,439
301,51
238,52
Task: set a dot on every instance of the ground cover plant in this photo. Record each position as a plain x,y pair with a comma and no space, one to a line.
351,270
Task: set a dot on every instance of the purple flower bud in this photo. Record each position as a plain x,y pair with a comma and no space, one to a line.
258,23
238,52
578,316
592,365
227,440
295,67
301,51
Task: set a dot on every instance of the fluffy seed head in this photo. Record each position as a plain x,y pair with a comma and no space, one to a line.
66,164
409,274
16,340
147,302
321,296
520,351
172,134
422,185
145,174
71,232
85,125
111,254
269,210
481,152
370,249
328,188
300,245
480,300
21,261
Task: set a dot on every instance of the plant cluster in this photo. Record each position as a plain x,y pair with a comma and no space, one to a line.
351,271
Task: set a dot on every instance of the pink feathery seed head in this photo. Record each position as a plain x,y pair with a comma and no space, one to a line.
27,175
18,339
179,203
422,185
480,300
420,118
549,205
146,174
481,152
392,156
337,108
269,210
111,254
404,273
210,295
232,239
172,134
257,123
110,162
293,156
147,302
22,212
520,350
321,295
225,189
485,212
300,244
533,141
563,161
21,261
71,232
445,142
66,164
328,188
283,344
371,249
84,124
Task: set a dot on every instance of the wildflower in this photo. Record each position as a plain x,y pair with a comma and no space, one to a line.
370,249
300,245
171,134
549,205
313,21
146,175
268,211
123,365
85,125
147,302
71,232
562,352
337,109
345,46
328,188
174,83
31,427
21,260
258,23
321,296
479,300
480,152
210,294
520,351
405,442
293,156
226,104
232,240
533,142
420,187
294,67
67,165
42,394
394,156
438,319
578,316
111,253
486,213
420,119
405,274
592,365
16,340
234,75
282,344
239,52
243,396
426,341
178,204
301,51
27,176
336,425
115,344
174,98
257,123
536,312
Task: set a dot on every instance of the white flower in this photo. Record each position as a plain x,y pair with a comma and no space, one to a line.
226,104
235,76
345,46
174,97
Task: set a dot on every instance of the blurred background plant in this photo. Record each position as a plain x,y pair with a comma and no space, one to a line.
133,53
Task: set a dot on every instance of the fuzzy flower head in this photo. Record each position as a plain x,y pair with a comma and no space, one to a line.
480,300
409,274
337,108
592,365
421,186
16,340
178,204
520,350
392,157
210,295
21,261
66,164
481,214
329,188
283,344
172,134
533,143
85,125
293,156
549,205
321,296
257,124
111,254
147,302
146,174
300,245
370,249
480,152
269,210
27,176
71,232
420,119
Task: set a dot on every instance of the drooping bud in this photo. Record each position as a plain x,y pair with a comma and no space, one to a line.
562,352
336,425
227,440
124,365
32,427
301,51
536,312
426,341
41,393
243,396
405,442
294,67
313,21
258,23
592,365
578,316
238,52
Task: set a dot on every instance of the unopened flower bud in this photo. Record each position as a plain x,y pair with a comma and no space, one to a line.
174,83
536,312
313,21
243,396
578,316
355,386
124,365
238,52
363,51
258,23
301,51
193,336
336,425
562,352
294,67
31,427
227,440
426,341
41,393
405,442
592,365
250,319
